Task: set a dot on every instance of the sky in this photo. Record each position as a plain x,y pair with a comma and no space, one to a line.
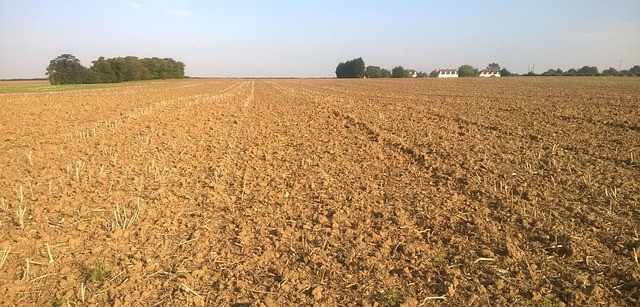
308,38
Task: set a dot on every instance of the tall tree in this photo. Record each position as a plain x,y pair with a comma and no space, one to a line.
119,68
342,70
373,72
376,72
90,77
494,65
103,71
359,67
610,72
588,71
635,70
351,69
467,71
133,68
398,72
505,72
65,69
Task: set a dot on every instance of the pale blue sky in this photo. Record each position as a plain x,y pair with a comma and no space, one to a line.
308,38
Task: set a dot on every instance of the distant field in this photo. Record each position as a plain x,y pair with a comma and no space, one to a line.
231,192
44,86
4,84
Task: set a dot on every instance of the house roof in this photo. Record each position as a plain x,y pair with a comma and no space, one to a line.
490,71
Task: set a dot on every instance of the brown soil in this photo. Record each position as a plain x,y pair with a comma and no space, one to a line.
21,83
467,192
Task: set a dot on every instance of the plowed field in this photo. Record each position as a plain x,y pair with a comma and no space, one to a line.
467,192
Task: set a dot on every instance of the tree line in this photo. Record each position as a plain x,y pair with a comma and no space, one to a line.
67,69
356,69
590,71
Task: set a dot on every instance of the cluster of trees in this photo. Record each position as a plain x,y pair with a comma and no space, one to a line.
356,69
351,69
67,69
376,72
590,71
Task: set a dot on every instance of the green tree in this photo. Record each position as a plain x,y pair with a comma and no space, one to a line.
90,76
342,71
610,72
493,65
625,73
118,65
635,70
570,72
373,72
550,72
359,64
505,72
422,74
103,71
133,69
178,69
558,72
386,73
153,66
588,71
433,74
467,71
398,72
65,69
351,69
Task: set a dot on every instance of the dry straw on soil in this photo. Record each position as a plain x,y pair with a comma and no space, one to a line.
509,192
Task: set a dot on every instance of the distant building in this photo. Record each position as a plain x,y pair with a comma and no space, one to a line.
490,72
447,73
411,73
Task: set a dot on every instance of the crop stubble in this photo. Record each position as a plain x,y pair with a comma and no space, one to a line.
323,192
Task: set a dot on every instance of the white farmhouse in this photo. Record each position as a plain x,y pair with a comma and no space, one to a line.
412,73
447,73
490,72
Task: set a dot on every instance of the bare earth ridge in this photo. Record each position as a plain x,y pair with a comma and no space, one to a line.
467,192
